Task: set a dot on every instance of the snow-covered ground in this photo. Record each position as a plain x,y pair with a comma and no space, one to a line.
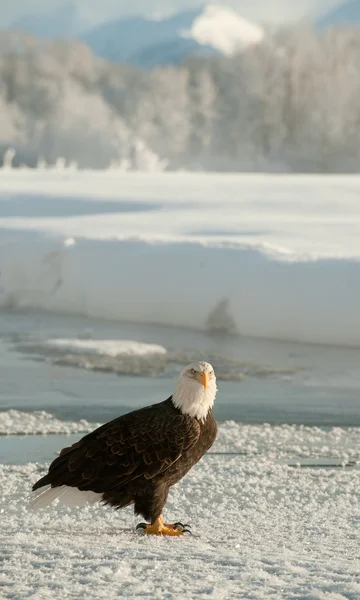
269,256
262,529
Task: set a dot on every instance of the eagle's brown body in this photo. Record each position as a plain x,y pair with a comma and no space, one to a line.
135,458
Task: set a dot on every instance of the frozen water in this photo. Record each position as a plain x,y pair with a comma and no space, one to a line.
106,347
15,422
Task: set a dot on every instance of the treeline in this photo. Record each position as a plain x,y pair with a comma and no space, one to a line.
291,103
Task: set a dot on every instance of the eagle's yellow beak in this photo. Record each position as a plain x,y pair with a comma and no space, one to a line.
203,378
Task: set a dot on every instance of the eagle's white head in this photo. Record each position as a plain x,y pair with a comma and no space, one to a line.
195,390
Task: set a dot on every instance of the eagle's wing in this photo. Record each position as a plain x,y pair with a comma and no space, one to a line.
142,443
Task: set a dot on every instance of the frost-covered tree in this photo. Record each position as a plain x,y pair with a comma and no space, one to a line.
171,121
201,94
290,103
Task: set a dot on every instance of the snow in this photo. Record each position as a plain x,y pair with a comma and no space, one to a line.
261,529
107,347
224,29
278,254
39,422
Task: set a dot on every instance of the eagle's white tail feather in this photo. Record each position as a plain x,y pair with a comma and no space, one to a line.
43,498
68,496
73,497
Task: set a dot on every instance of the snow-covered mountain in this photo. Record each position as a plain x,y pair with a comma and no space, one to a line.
347,13
149,42
223,29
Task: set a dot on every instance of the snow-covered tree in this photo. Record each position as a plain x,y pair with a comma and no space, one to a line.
289,103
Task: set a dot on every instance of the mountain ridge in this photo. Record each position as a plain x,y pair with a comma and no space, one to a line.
346,13
148,42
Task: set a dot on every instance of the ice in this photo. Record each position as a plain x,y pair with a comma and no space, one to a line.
261,530
280,252
143,359
106,347
16,422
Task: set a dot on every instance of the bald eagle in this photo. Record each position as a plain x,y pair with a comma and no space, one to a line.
137,457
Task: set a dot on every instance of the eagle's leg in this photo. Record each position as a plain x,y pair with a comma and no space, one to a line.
159,527
150,505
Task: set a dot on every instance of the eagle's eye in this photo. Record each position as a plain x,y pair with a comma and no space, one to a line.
192,372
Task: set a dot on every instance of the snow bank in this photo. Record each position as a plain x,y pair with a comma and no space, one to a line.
274,257
182,283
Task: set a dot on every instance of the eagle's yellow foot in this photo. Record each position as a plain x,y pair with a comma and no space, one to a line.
151,529
159,527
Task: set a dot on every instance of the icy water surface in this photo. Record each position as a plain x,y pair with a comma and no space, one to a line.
259,380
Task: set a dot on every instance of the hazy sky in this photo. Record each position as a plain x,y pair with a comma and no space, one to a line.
272,11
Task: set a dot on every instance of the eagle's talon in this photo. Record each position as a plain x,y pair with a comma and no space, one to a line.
181,526
187,531
141,526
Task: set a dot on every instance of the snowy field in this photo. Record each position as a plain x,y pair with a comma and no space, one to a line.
278,531
268,256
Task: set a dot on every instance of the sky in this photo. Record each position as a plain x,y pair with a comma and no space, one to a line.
93,11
